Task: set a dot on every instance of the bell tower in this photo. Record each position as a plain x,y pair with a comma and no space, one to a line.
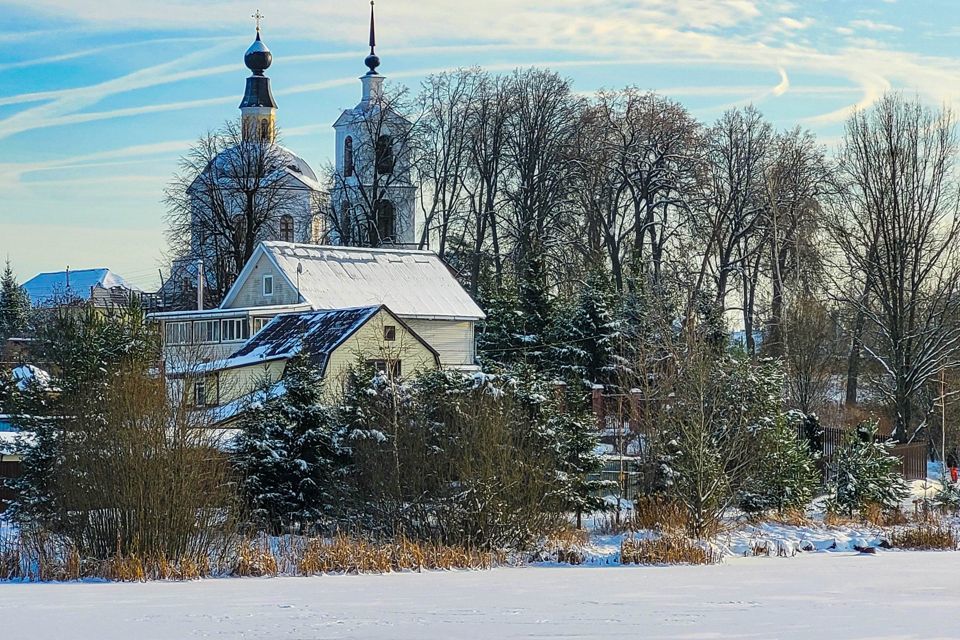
373,198
258,111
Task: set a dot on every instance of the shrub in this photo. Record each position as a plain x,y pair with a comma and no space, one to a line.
865,473
947,498
786,477
669,549
925,537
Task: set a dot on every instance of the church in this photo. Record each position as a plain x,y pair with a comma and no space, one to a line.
333,269
254,189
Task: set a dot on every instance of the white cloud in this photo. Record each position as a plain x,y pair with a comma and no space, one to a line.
870,25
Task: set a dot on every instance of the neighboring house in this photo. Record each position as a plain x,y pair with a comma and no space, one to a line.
334,340
100,287
284,277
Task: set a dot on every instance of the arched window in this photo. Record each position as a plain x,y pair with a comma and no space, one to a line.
286,228
348,157
264,129
240,229
386,215
384,154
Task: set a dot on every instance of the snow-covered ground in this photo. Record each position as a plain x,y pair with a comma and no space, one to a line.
817,595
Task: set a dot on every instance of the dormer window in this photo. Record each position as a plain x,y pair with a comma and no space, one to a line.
268,285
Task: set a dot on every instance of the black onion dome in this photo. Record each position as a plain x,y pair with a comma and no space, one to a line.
258,58
372,61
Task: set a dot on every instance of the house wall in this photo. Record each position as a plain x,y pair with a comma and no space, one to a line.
368,344
250,293
235,383
453,340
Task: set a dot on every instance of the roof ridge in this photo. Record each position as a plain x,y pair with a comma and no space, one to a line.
280,243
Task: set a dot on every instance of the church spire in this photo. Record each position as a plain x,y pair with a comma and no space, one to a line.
372,61
258,108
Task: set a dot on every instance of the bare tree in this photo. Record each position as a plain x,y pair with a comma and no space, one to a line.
446,102
231,192
366,193
732,218
896,227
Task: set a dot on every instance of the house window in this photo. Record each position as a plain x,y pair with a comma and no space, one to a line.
286,228
384,154
206,331
200,392
234,329
177,333
389,332
348,157
259,324
268,285
390,367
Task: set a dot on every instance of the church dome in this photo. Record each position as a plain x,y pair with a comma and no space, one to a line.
258,57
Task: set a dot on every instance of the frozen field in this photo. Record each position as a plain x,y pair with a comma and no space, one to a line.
836,595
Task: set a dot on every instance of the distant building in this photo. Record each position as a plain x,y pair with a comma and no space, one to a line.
101,287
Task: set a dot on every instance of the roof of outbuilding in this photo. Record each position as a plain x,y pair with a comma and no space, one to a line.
78,284
413,284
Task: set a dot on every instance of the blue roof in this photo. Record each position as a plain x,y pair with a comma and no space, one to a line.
55,286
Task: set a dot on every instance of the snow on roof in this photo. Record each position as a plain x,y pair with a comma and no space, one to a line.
26,374
413,284
53,286
316,333
294,166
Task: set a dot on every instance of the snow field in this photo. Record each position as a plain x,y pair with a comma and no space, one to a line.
838,595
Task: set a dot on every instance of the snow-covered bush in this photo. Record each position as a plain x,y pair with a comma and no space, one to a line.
785,476
865,474
712,431
947,498
485,461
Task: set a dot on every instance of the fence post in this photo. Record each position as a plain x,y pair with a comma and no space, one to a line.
596,397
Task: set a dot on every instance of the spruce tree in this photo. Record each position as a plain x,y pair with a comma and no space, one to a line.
14,305
288,452
786,476
866,473
585,334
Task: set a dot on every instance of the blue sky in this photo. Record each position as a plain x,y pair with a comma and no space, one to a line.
99,98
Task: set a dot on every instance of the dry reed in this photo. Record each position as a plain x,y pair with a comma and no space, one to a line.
669,549
925,537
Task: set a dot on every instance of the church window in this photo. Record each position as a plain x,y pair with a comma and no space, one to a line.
384,154
348,157
384,230
240,228
264,129
286,228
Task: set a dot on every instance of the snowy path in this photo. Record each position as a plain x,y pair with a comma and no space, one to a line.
837,595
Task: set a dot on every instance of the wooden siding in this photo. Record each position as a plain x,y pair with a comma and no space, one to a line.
250,293
235,383
453,339
368,344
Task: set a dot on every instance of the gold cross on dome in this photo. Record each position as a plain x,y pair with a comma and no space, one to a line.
258,17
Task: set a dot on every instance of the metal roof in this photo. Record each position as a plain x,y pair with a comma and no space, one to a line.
413,284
